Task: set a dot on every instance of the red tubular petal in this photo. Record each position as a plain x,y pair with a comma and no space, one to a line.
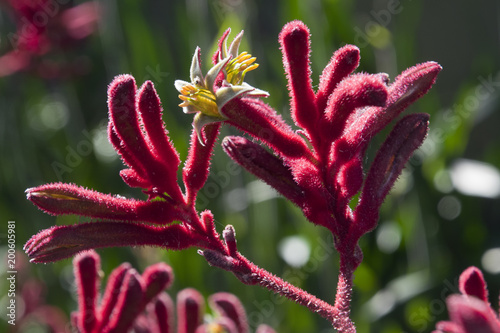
111,294
196,169
133,179
126,123
60,199
472,283
150,109
164,312
343,62
128,157
151,114
317,200
228,305
404,139
87,266
261,121
128,305
62,242
408,87
220,45
472,314
296,49
190,306
156,278
217,259
266,166
349,180
357,91
229,235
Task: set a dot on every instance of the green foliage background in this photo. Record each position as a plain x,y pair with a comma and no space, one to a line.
155,40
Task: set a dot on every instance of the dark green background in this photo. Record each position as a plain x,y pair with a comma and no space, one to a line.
147,37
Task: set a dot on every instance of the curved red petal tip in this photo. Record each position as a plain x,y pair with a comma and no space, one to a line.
87,259
228,305
220,45
296,48
120,81
157,278
129,303
343,62
87,267
190,309
472,283
414,82
295,26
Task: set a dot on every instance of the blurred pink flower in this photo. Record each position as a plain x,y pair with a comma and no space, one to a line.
45,27
471,311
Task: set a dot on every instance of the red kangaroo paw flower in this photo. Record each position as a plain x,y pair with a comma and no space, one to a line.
87,268
136,176
197,168
356,91
229,235
164,313
472,315
127,124
190,309
296,49
404,139
408,87
156,278
62,242
343,62
61,199
470,312
111,294
472,283
149,106
128,305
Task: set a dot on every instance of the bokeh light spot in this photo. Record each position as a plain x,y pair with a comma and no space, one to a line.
295,251
449,207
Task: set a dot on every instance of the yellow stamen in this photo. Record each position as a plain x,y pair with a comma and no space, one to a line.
201,99
239,66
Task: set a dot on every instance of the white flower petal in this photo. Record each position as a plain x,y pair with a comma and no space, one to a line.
225,94
224,46
213,72
200,120
195,72
179,84
233,49
255,92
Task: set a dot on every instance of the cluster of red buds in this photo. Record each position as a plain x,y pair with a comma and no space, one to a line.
139,302
319,168
471,311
